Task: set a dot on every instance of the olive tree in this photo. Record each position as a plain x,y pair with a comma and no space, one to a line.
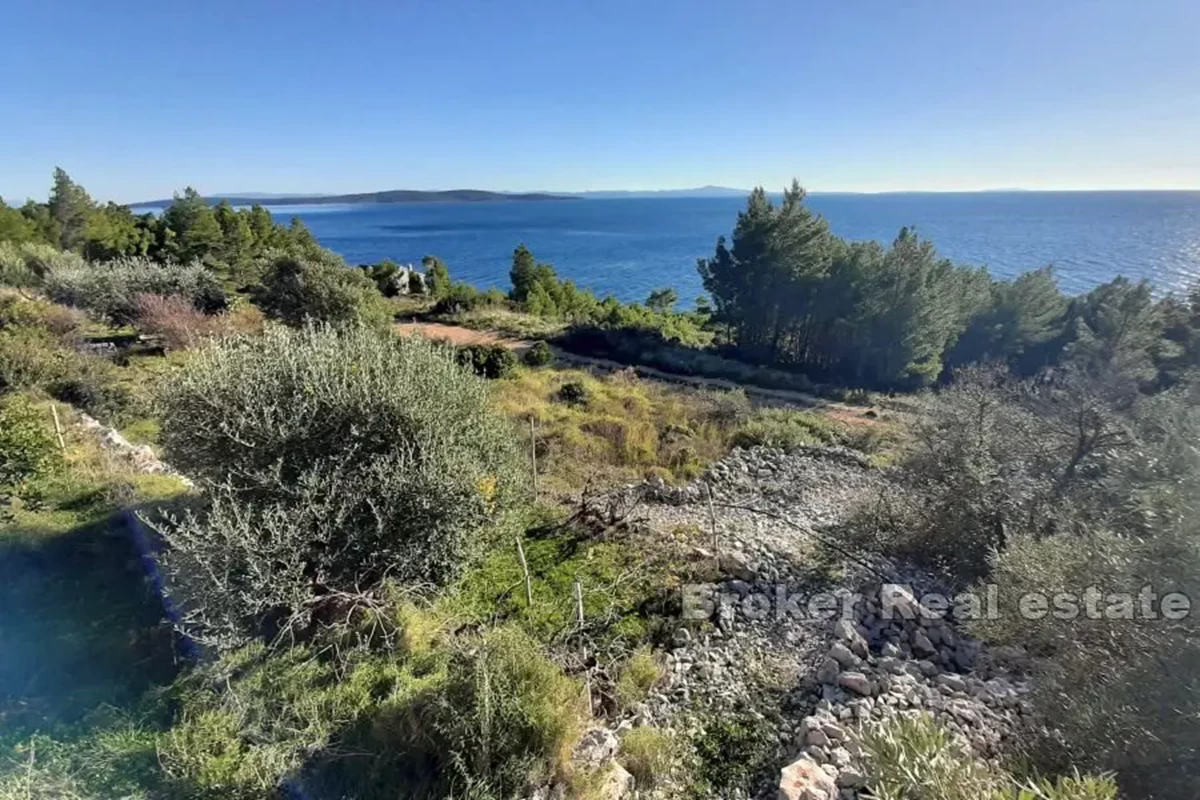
316,286
329,460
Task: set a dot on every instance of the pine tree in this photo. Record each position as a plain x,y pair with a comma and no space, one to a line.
196,233
263,229
237,240
70,207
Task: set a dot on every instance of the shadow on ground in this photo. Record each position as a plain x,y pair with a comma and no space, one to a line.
81,625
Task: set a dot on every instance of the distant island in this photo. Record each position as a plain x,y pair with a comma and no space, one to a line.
390,196
447,196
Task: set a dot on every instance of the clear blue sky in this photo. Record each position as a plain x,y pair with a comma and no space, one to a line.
138,99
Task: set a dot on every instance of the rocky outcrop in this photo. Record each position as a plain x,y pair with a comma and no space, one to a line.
816,682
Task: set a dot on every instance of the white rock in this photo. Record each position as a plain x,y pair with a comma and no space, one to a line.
804,779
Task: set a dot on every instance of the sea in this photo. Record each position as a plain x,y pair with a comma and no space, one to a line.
630,246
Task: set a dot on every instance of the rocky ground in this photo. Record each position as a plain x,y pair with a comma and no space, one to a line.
771,640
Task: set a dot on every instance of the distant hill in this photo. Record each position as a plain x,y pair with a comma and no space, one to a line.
702,191
391,196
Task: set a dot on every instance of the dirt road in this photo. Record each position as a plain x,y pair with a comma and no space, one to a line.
457,335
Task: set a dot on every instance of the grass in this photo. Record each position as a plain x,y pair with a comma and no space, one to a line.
619,428
628,429
507,322
621,579
637,676
649,754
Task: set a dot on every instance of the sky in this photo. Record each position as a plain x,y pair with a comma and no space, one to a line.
137,100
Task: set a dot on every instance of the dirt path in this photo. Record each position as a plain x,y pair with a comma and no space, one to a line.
466,336
457,335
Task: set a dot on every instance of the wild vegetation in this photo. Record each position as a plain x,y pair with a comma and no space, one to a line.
370,590
786,292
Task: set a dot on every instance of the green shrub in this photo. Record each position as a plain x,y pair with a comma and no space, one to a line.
731,753
94,385
649,754
786,429
915,758
488,360
726,408
296,288
637,676
461,297
1070,787
34,358
27,264
573,393
1113,686
27,449
112,757
31,357
335,455
508,716
538,355
111,289
22,312
251,721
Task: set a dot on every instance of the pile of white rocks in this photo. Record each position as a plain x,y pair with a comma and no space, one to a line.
767,503
896,657
141,458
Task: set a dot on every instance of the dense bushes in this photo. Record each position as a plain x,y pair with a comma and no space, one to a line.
538,355
330,460
28,263
488,360
37,352
111,289
318,287
181,325
1073,485
24,312
30,357
507,715
994,458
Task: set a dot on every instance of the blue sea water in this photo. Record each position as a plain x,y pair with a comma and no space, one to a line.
628,247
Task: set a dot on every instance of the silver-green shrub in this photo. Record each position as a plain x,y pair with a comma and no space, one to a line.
317,286
28,263
331,460
916,758
111,289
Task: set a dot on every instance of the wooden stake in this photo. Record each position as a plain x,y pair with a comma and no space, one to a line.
533,455
712,516
579,602
525,569
58,428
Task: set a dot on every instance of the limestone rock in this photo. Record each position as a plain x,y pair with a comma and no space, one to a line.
595,748
617,784
804,779
855,682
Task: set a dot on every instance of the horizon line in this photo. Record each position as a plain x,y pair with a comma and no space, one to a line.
268,196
